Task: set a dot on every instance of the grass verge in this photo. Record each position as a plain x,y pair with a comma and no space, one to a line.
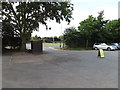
57,46
89,48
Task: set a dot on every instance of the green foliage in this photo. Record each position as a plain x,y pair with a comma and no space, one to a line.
93,30
51,39
113,29
87,28
101,33
10,35
72,37
48,39
35,38
56,38
26,16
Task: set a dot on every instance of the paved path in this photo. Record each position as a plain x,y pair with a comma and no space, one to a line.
61,69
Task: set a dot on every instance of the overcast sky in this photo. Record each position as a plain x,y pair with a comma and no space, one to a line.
82,8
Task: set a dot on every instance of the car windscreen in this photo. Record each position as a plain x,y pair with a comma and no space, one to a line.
97,43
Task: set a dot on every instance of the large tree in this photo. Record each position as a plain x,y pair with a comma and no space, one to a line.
113,27
26,16
92,29
101,33
87,27
72,37
10,37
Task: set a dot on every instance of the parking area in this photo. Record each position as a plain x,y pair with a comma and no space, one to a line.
61,69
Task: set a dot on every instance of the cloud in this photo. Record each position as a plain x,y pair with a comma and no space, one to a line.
110,12
79,14
56,29
92,1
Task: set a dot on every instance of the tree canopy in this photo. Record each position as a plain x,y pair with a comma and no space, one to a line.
26,16
93,30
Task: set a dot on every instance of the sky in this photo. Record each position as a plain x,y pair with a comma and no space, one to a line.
82,9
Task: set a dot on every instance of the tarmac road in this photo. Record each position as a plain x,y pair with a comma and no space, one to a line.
61,69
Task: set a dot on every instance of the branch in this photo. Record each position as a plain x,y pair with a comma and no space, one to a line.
15,15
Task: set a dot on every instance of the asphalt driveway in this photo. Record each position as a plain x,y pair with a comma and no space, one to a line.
61,69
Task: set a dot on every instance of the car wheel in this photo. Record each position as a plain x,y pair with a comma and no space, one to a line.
109,49
96,48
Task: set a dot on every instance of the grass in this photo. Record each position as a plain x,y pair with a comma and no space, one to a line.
8,47
89,48
11,47
57,46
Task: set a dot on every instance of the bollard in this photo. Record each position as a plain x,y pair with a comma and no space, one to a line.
101,53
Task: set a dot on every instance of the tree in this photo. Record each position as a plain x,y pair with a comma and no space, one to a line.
92,29
35,38
72,37
87,27
26,16
100,30
113,27
48,39
10,37
56,39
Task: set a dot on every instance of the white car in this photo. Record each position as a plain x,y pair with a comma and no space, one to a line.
116,45
104,46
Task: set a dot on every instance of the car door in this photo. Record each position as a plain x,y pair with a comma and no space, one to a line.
103,46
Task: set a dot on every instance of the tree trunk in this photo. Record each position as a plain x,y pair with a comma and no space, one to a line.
86,43
63,45
23,47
